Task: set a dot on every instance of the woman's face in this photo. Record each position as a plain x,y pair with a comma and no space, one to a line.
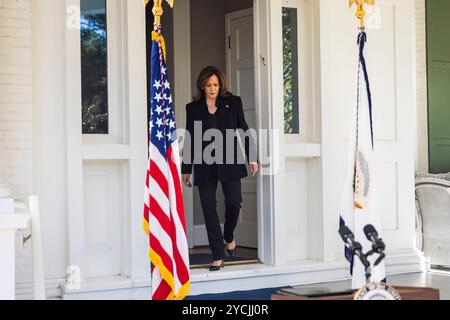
212,87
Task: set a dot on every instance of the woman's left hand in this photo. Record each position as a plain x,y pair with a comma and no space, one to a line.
254,167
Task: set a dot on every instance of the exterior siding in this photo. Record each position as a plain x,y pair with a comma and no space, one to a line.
16,111
15,96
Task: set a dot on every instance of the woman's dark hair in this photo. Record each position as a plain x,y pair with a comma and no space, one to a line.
204,76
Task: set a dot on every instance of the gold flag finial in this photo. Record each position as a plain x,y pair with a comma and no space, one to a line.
157,9
360,12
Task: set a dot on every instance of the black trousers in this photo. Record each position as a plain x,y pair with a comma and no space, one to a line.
233,201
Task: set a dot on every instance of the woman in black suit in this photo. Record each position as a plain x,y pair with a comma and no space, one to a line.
216,109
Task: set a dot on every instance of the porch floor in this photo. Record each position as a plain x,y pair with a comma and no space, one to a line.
437,279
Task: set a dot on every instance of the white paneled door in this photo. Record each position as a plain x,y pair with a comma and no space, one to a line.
241,77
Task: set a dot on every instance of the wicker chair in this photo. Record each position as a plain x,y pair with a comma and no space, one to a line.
433,195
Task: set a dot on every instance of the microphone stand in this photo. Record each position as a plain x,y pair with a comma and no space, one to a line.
365,262
377,248
368,273
381,257
356,249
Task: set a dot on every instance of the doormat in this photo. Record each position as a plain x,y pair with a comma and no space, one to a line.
201,260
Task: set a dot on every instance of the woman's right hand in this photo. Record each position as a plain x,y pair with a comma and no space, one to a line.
187,180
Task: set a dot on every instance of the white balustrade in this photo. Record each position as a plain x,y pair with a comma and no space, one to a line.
9,224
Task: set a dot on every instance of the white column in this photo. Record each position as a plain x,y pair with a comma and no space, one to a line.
275,66
50,172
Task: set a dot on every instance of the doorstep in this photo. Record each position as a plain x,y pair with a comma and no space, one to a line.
252,276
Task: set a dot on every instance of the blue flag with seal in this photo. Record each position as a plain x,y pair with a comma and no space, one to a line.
359,203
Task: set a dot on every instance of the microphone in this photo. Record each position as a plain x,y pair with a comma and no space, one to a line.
378,245
354,246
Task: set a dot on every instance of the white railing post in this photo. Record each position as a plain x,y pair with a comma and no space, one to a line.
36,239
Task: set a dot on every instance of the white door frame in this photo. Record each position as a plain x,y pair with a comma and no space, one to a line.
269,97
182,74
264,11
74,151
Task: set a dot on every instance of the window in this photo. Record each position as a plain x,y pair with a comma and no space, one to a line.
94,67
290,71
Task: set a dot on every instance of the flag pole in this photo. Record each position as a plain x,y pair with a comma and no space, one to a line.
360,12
158,9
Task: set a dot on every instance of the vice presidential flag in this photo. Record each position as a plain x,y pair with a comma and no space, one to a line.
360,203
164,220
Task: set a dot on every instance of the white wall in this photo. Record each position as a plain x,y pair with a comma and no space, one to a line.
15,96
16,109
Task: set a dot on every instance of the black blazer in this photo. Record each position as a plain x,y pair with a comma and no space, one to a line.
230,115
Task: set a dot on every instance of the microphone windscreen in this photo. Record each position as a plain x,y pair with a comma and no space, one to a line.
345,233
369,231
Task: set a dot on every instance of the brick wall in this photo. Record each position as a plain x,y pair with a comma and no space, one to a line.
16,112
15,96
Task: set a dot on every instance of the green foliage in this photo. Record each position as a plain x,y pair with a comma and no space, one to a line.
288,60
94,74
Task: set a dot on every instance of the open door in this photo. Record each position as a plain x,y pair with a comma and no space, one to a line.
241,81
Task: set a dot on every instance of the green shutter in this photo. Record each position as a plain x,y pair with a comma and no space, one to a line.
438,52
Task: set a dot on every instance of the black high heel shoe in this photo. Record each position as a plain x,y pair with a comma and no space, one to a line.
217,268
232,252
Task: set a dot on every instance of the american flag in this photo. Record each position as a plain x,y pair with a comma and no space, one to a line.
164,220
